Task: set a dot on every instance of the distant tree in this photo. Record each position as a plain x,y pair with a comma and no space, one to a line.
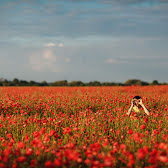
155,82
5,83
132,82
143,83
33,83
44,83
15,82
60,83
106,83
76,83
164,83
24,83
1,81
135,82
111,84
94,83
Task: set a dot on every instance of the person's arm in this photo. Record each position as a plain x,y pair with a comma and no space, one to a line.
130,109
145,109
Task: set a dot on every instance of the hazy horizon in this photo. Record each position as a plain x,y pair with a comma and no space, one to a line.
84,40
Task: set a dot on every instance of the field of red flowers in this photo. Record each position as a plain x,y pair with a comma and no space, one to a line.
82,127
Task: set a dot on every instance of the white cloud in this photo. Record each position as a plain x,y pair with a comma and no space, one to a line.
115,61
49,56
50,45
44,61
60,45
111,61
67,60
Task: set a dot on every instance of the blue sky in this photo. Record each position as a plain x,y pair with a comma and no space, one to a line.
104,40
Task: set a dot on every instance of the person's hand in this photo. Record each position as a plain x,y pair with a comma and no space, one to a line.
140,101
132,102
128,113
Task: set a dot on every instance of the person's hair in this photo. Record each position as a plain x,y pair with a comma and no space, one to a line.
137,97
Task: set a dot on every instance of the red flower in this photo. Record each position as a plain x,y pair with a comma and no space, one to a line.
71,154
123,147
58,162
131,160
21,159
29,151
67,130
163,146
9,135
33,163
88,161
142,126
7,152
49,164
145,120
163,159
2,165
153,156
130,131
141,153
26,138
52,132
42,131
21,145
108,161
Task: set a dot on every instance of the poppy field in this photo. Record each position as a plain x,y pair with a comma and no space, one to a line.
47,127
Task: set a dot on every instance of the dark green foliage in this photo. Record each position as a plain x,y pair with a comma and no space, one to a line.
135,82
17,82
155,82
60,83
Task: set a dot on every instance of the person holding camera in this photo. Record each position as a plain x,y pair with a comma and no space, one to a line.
136,104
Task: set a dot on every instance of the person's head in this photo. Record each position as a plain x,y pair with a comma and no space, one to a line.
136,100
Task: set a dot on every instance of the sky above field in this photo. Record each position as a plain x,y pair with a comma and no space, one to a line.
87,40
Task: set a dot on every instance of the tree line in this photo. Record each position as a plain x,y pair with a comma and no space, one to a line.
17,82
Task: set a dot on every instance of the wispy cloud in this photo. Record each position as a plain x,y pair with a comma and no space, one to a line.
115,61
60,45
111,61
67,60
138,2
50,45
44,61
81,20
49,56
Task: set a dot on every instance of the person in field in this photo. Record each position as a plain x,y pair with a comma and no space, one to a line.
136,104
